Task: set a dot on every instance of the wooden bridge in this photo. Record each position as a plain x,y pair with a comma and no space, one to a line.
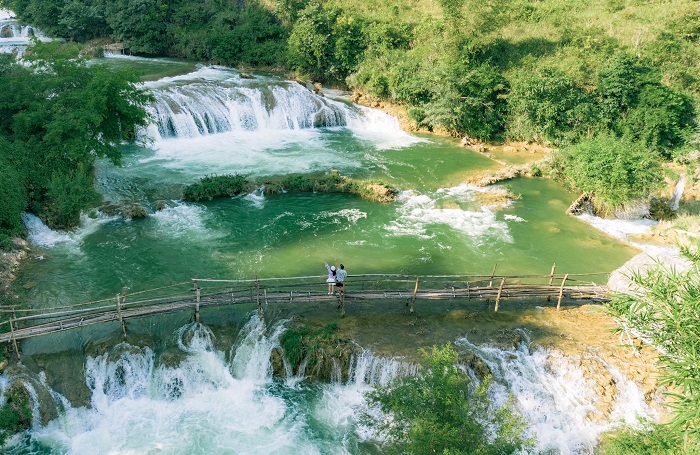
193,295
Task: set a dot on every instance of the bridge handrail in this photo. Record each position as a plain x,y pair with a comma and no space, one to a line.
263,283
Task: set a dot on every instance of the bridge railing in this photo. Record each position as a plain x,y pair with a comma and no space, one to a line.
202,292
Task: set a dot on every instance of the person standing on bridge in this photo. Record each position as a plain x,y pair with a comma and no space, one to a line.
340,279
331,278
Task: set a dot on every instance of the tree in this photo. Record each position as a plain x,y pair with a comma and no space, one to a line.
59,115
666,313
661,120
441,410
549,106
140,24
471,102
615,171
634,103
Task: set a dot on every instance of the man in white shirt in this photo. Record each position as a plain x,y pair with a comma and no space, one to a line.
340,279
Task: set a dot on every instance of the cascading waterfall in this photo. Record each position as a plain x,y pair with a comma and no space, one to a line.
678,193
563,406
15,37
204,107
198,402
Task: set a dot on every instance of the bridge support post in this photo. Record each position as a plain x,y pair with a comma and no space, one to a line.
120,317
551,277
498,297
257,295
413,299
493,273
561,290
14,339
341,303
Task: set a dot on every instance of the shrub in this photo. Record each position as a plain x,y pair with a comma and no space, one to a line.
652,439
13,201
16,413
66,196
215,186
664,312
549,106
441,410
615,171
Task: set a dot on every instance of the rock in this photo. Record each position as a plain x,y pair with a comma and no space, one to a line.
584,204
127,211
476,364
246,76
133,211
277,363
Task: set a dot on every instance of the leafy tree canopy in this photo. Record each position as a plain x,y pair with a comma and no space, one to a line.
441,410
59,115
614,170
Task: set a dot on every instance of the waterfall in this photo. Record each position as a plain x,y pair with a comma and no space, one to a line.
205,107
369,369
565,406
194,400
15,37
678,193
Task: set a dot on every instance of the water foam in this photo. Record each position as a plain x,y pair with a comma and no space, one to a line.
183,221
560,404
197,402
418,212
277,152
41,235
211,120
198,406
618,228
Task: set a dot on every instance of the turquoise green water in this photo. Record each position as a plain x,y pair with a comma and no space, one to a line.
437,226
190,390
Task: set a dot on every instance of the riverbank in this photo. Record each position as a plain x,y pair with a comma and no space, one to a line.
10,261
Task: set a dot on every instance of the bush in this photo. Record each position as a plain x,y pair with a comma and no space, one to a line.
664,312
16,413
215,186
615,171
66,196
549,106
653,439
13,201
441,410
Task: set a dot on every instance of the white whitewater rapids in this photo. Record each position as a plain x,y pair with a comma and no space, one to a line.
217,100
217,122
210,404
15,37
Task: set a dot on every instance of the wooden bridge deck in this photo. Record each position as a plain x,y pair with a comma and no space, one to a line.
202,293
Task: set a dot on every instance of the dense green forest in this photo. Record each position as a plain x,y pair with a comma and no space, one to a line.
565,73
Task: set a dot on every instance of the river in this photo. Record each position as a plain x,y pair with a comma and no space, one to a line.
208,121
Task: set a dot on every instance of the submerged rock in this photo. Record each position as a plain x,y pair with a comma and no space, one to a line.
475,364
128,211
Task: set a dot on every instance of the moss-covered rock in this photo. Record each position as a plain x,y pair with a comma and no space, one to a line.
219,186
318,353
